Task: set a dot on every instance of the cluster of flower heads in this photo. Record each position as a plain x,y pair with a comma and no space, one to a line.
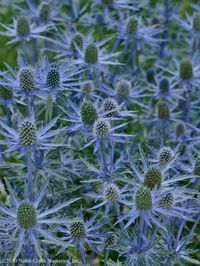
99,132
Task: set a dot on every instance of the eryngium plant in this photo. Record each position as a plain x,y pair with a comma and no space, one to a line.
99,102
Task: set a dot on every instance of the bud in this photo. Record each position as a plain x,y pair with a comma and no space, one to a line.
26,79
165,155
77,229
27,133
53,78
150,76
167,201
143,199
5,92
23,26
91,54
111,240
153,178
77,40
196,22
44,11
100,19
88,112
87,86
164,85
180,130
101,128
111,107
196,170
186,69
123,88
26,215
132,25
163,111
111,192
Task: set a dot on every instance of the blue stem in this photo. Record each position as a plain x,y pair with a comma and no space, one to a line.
30,177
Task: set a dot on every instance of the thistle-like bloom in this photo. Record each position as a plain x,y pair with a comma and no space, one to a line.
135,30
46,13
103,132
95,57
164,87
192,26
27,135
23,30
110,196
79,233
27,221
125,92
83,117
57,77
66,44
186,72
152,205
23,81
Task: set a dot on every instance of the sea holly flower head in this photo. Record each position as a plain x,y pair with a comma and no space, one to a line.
26,78
23,26
165,155
23,29
123,88
143,199
167,201
132,25
27,133
163,111
111,239
28,136
77,229
46,13
77,40
6,93
87,86
94,56
88,112
79,232
26,215
101,128
186,69
30,221
153,178
111,107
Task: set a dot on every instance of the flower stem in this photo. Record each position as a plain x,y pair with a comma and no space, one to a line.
30,177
